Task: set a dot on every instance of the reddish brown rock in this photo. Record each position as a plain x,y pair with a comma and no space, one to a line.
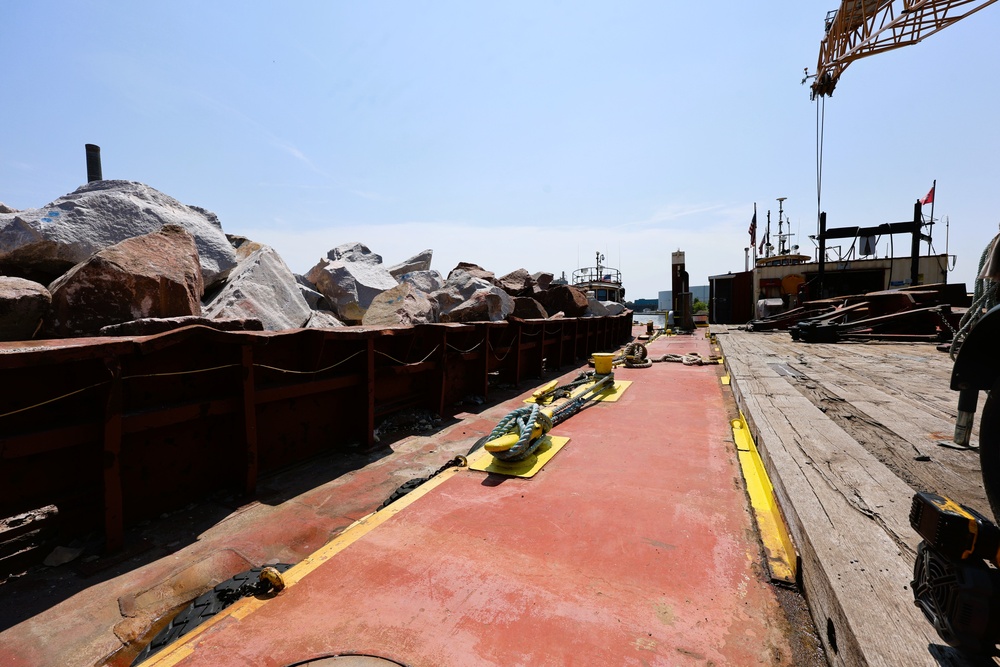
402,304
565,298
542,279
475,270
529,309
486,305
155,275
517,283
23,304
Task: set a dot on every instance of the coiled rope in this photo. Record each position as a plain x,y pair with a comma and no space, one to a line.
690,359
522,421
636,356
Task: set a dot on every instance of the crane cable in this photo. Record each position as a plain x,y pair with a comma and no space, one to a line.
820,130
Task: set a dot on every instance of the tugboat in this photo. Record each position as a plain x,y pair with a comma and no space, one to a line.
603,281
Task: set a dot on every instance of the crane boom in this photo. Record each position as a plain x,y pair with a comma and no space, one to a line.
862,28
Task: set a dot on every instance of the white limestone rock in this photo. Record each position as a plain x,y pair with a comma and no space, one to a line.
426,281
354,252
350,286
595,308
322,319
44,243
312,296
419,262
261,287
613,307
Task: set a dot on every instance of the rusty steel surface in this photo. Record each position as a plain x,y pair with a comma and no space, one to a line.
111,431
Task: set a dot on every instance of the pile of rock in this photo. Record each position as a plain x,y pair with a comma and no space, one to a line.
120,258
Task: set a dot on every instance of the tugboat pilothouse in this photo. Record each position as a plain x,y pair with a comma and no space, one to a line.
603,281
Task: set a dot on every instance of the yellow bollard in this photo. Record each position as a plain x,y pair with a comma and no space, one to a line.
603,362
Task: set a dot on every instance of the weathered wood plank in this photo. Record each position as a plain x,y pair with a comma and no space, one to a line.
848,510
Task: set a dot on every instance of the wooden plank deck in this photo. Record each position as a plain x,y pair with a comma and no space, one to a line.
848,432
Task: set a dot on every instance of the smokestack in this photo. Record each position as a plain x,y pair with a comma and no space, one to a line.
93,163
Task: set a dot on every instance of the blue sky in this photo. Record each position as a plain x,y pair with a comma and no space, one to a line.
515,134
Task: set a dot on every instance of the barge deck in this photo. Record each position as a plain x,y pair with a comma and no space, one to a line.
633,545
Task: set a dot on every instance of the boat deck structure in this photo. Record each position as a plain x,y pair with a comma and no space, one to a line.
634,545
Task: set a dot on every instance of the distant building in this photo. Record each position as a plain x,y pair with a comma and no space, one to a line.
646,304
699,292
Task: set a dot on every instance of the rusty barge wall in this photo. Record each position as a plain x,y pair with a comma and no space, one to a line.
111,431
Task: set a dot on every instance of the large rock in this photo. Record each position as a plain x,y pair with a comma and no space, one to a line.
475,270
529,309
489,304
354,252
419,262
517,283
426,281
322,319
595,308
613,307
243,246
542,280
154,275
262,288
44,243
350,286
565,298
312,296
402,304
459,288
23,304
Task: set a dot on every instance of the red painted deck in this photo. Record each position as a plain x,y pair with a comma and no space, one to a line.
633,546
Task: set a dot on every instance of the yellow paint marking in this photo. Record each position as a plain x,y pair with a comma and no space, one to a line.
484,461
185,645
773,532
725,379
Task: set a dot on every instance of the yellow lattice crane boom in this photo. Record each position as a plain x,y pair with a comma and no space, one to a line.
862,28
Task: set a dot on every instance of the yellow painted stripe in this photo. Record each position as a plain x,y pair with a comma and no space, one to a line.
725,379
184,646
773,532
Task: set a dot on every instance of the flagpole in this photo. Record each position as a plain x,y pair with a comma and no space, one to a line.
930,231
754,241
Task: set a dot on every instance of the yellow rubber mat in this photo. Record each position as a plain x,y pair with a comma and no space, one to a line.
484,461
608,395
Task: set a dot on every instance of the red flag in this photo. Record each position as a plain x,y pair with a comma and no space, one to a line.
929,199
753,230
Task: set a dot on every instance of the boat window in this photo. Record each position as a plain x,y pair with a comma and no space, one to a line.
602,295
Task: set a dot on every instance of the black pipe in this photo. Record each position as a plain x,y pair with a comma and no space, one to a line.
915,244
93,163
822,254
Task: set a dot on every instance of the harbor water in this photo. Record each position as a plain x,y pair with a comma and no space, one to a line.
658,319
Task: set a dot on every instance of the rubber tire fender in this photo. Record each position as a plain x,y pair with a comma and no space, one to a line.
989,448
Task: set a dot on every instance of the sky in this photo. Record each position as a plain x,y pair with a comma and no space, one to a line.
513,135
